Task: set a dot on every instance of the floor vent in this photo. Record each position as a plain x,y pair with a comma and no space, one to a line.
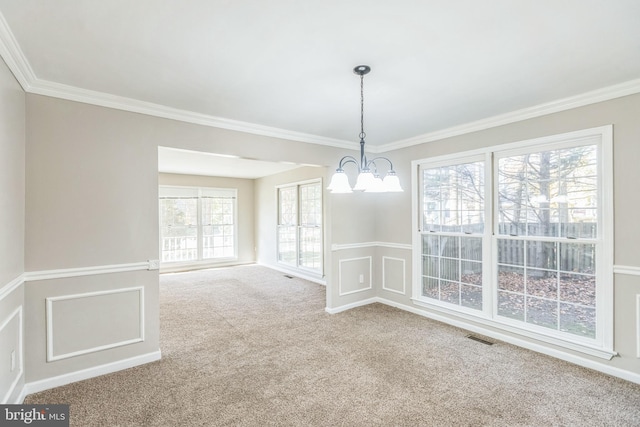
288,277
483,341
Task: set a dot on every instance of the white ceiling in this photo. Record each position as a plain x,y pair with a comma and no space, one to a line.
284,67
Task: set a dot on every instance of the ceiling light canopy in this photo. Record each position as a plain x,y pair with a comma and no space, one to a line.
368,178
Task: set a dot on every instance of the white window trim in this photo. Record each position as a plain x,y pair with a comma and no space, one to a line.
602,346
296,266
208,261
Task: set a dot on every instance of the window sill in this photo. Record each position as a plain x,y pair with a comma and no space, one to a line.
507,332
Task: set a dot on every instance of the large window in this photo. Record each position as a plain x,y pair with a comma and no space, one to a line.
300,225
521,236
197,224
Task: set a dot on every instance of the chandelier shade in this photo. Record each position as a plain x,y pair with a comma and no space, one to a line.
368,178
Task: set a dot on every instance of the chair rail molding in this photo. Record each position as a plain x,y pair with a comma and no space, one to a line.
30,276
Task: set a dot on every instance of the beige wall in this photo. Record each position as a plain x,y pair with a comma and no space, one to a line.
12,191
92,188
91,200
394,219
12,147
245,206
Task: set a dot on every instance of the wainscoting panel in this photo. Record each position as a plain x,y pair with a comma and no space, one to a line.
355,275
638,326
11,359
393,275
86,323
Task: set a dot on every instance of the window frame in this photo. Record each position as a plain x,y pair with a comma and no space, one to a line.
297,265
485,235
602,345
200,193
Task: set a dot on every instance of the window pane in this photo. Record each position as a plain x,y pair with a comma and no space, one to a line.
430,245
431,266
450,269
430,287
511,305
471,296
542,283
578,258
511,279
471,273
578,288
450,246
288,214
450,292
549,193
542,312
310,244
471,248
218,227
178,229
578,320
453,198
310,247
287,244
541,254
510,252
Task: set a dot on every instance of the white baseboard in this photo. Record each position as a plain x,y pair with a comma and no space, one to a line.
193,266
529,345
352,305
96,371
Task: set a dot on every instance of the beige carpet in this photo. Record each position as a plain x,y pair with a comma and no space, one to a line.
246,346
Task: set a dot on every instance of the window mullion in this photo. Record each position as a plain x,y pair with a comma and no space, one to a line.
199,233
489,243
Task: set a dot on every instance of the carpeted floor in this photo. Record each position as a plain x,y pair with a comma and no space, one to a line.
246,346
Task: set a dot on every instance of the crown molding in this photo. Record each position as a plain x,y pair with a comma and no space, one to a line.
604,94
72,93
13,56
16,61
19,65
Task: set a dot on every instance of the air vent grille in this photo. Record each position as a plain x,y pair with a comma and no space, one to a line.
482,340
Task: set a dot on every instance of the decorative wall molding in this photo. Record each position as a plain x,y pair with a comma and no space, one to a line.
404,275
17,313
341,247
599,95
72,93
20,67
89,271
626,269
638,326
50,304
11,286
96,371
343,261
13,56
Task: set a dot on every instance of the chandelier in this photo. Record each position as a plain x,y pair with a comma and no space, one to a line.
368,178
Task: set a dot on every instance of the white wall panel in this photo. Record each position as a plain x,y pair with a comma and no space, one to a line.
85,323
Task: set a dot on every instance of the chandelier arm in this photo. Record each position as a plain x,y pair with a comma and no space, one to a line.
372,161
348,159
